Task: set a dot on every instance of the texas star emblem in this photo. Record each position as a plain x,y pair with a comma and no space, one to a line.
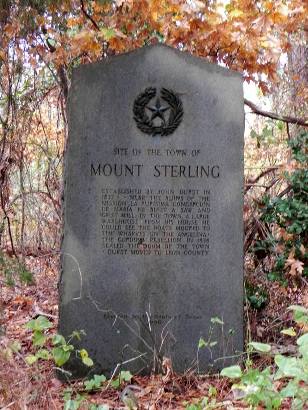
154,117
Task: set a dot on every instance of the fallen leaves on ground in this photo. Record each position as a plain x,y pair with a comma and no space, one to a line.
31,387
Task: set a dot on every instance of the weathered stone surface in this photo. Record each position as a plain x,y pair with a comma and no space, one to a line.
152,247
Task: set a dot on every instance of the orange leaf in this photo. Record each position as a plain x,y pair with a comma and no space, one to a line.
296,266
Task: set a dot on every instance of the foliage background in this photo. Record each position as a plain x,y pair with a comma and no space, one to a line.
41,41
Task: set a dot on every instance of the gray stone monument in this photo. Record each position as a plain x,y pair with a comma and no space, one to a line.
152,258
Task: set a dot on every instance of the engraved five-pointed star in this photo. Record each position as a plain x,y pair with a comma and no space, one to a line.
158,110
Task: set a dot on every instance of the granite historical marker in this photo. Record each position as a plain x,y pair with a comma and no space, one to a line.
152,247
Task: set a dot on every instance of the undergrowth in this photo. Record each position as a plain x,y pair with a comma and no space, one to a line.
287,216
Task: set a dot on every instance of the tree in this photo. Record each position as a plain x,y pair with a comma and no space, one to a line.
42,40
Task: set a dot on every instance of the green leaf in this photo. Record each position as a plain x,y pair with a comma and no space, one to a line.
298,308
87,361
72,404
43,354
275,402
31,359
289,332
267,132
260,347
67,348
290,367
83,353
280,125
60,356
302,340
233,372
290,390
85,358
212,391
202,343
77,334
298,404
253,134
115,383
126,375
88,385
99,407
38,338
40,323
95,382
303,350
58,340
25,275
279,375
108,33
30,325
193,407
99,378
217,320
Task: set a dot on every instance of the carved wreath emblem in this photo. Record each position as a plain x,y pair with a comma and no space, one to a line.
158,119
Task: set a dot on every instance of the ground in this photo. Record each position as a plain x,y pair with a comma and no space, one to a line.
35,386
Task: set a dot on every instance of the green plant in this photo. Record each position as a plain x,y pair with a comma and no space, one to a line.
209,402
261,387
289,212
208,343
266,136
12,268
256,296
72,401
94,383
52,347
122,377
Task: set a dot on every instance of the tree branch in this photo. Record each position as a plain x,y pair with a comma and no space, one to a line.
64,81
88,15
274,116
252,182
8,225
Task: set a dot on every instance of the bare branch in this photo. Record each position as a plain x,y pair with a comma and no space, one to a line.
274,116
252,182
88,15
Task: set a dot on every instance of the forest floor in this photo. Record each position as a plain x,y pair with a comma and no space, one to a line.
24,386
